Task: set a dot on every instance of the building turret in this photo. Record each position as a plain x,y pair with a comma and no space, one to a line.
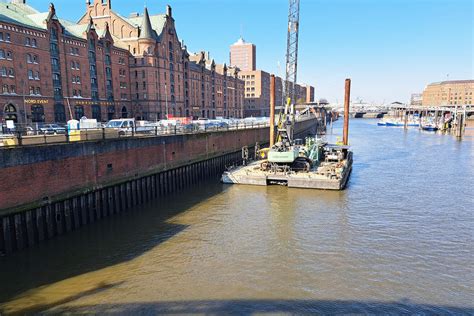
146,31
147,37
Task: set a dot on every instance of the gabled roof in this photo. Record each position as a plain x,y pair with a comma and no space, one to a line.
157,21
210,64
20,14
75,30
194,66
23,14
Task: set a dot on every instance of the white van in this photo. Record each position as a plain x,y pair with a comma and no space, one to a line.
124,126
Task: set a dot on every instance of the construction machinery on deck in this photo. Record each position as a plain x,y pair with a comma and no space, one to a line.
308,163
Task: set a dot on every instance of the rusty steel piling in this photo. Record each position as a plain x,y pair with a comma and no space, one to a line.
347,97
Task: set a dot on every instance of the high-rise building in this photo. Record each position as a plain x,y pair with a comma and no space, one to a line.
243,55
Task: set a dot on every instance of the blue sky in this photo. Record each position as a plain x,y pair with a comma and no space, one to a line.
390,48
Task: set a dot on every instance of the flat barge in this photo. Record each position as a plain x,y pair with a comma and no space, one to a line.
330,173
308,164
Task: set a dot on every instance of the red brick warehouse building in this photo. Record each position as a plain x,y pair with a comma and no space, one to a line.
106,66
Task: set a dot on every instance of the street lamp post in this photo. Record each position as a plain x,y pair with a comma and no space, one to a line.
24,101
166,100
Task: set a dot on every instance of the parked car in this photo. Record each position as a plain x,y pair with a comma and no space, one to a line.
52,129
124,126
30,131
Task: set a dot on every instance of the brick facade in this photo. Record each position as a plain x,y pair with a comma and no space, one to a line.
257,93
449,93
106,66
38,173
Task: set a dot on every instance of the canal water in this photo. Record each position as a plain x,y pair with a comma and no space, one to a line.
399,239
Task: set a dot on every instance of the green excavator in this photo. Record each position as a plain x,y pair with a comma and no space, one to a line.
287,153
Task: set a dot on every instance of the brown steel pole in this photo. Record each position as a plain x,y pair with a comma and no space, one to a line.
272,110
347,98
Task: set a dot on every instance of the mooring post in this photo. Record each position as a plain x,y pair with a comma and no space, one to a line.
347,97
442,120
459,127
272,110
420,117
406,120
464,116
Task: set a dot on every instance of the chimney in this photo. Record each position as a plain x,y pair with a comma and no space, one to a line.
169,11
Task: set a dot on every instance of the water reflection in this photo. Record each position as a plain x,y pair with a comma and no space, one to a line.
398,240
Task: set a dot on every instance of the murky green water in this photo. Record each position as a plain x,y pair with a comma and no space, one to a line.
399,239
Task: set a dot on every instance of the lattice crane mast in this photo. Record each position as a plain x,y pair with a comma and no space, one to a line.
287,114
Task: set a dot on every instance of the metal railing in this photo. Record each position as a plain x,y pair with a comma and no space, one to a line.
23,135
40,133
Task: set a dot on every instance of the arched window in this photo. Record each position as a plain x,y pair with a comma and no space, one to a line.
96,112
28,41
124,112
33,42
29,59
2,54
10,108
10,113
78,112
37,113
3,71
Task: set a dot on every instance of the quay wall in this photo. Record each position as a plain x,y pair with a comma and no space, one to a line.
52,189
